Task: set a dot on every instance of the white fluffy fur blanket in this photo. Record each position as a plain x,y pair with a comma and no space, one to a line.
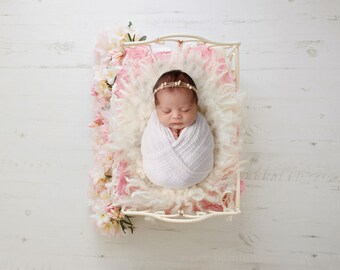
131,106
177,163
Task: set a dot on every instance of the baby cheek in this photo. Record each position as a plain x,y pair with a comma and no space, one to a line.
165,121
193,118
193,115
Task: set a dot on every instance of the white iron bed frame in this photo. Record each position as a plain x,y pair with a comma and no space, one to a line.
233,55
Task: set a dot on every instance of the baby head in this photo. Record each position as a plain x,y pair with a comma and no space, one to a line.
175,99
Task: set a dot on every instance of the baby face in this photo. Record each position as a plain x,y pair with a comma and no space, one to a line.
176,109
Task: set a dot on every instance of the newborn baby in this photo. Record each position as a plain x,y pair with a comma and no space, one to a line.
177,143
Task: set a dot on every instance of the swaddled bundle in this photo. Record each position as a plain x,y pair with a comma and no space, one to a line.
181,162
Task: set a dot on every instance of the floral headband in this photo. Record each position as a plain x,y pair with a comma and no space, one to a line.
175,84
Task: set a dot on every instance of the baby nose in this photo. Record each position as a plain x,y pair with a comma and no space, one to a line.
177,115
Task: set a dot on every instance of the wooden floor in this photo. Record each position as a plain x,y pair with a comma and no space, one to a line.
290,70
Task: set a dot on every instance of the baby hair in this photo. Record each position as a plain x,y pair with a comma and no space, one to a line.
175,76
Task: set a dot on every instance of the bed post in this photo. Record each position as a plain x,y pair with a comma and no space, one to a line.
238,180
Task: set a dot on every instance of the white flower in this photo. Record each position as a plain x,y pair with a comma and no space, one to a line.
111,228
100,215
111,73
104,222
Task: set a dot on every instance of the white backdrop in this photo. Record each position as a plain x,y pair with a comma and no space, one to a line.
290,71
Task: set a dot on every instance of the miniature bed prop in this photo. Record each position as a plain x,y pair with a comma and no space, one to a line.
124,75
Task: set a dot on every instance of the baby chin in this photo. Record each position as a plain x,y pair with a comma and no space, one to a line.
176,126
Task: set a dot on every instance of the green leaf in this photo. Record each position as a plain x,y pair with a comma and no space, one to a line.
128,217
127,222
123,227
129,37
142,38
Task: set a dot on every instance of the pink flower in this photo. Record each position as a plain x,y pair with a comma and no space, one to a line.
223,69
98,121
121,77
122,173
93,91
115,57
211,206
114,212
162,55
134,57
134,54
205,50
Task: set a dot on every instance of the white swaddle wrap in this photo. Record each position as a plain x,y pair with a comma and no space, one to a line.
181,162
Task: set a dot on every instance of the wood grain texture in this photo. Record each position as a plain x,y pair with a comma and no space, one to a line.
290,72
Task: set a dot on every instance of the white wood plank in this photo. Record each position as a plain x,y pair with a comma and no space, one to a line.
290,72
